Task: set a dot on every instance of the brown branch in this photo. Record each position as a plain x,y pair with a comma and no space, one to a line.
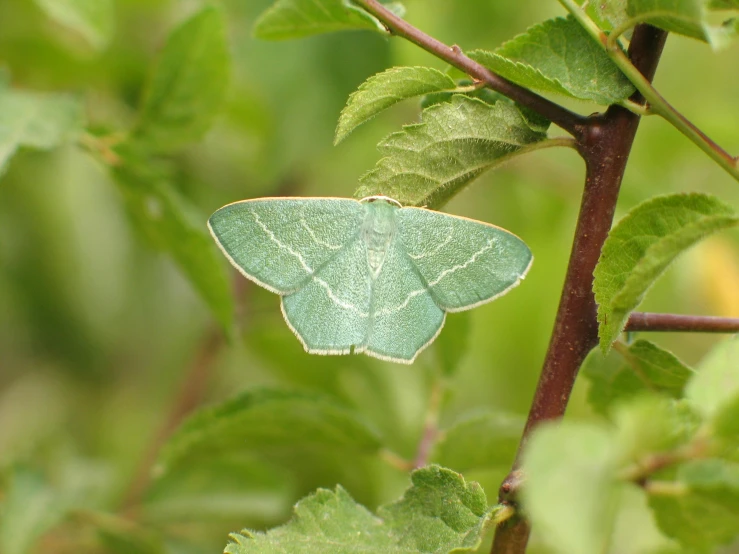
188,398
605,147
646,321
571,122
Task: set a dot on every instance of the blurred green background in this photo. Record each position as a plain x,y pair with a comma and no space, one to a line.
98,332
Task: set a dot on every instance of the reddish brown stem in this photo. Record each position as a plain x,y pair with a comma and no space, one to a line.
605,147
645,321
453,55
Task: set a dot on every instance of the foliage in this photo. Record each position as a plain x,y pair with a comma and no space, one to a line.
149,403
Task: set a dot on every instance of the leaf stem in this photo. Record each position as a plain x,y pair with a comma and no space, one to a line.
605,147
647,321
453,55
657,103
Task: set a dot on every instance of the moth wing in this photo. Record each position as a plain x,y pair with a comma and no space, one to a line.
464,262
280,242
330,312
404,316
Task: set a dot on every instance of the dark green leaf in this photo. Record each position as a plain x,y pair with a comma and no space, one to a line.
642,245
170,223
452,344
381,91
480,441
33,120
575,461
288,19
558,56
426,164
629,370
439,513
188,84
93,19
703,509
270,419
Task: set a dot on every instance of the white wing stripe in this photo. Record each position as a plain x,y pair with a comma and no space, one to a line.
283,246
338,301
316,239
490,244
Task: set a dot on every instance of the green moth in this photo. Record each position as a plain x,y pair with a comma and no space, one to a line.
368,275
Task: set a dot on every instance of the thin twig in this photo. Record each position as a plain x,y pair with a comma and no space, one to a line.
646,321
190,395
657,103
431,425
567,120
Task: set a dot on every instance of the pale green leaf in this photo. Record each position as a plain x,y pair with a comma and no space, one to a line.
685,17
33,503
717,381
642,245
612,11
168,222
480,441
427,163
34,120
30,507
188,84
93,19
703,511
558,56
630,370
452,344
571,461
271,419
650,424
288,19
381,91
439,513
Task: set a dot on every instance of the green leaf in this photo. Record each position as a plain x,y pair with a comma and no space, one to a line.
168,222
612,11
427,163
439,513
222,488
703,509
270,419
29,509
639,367
33,504
558,56
650,424
33,120
93,19
452,344
642,245
288,19
571,460
381,91
685,17
717,383
188,84
480,441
